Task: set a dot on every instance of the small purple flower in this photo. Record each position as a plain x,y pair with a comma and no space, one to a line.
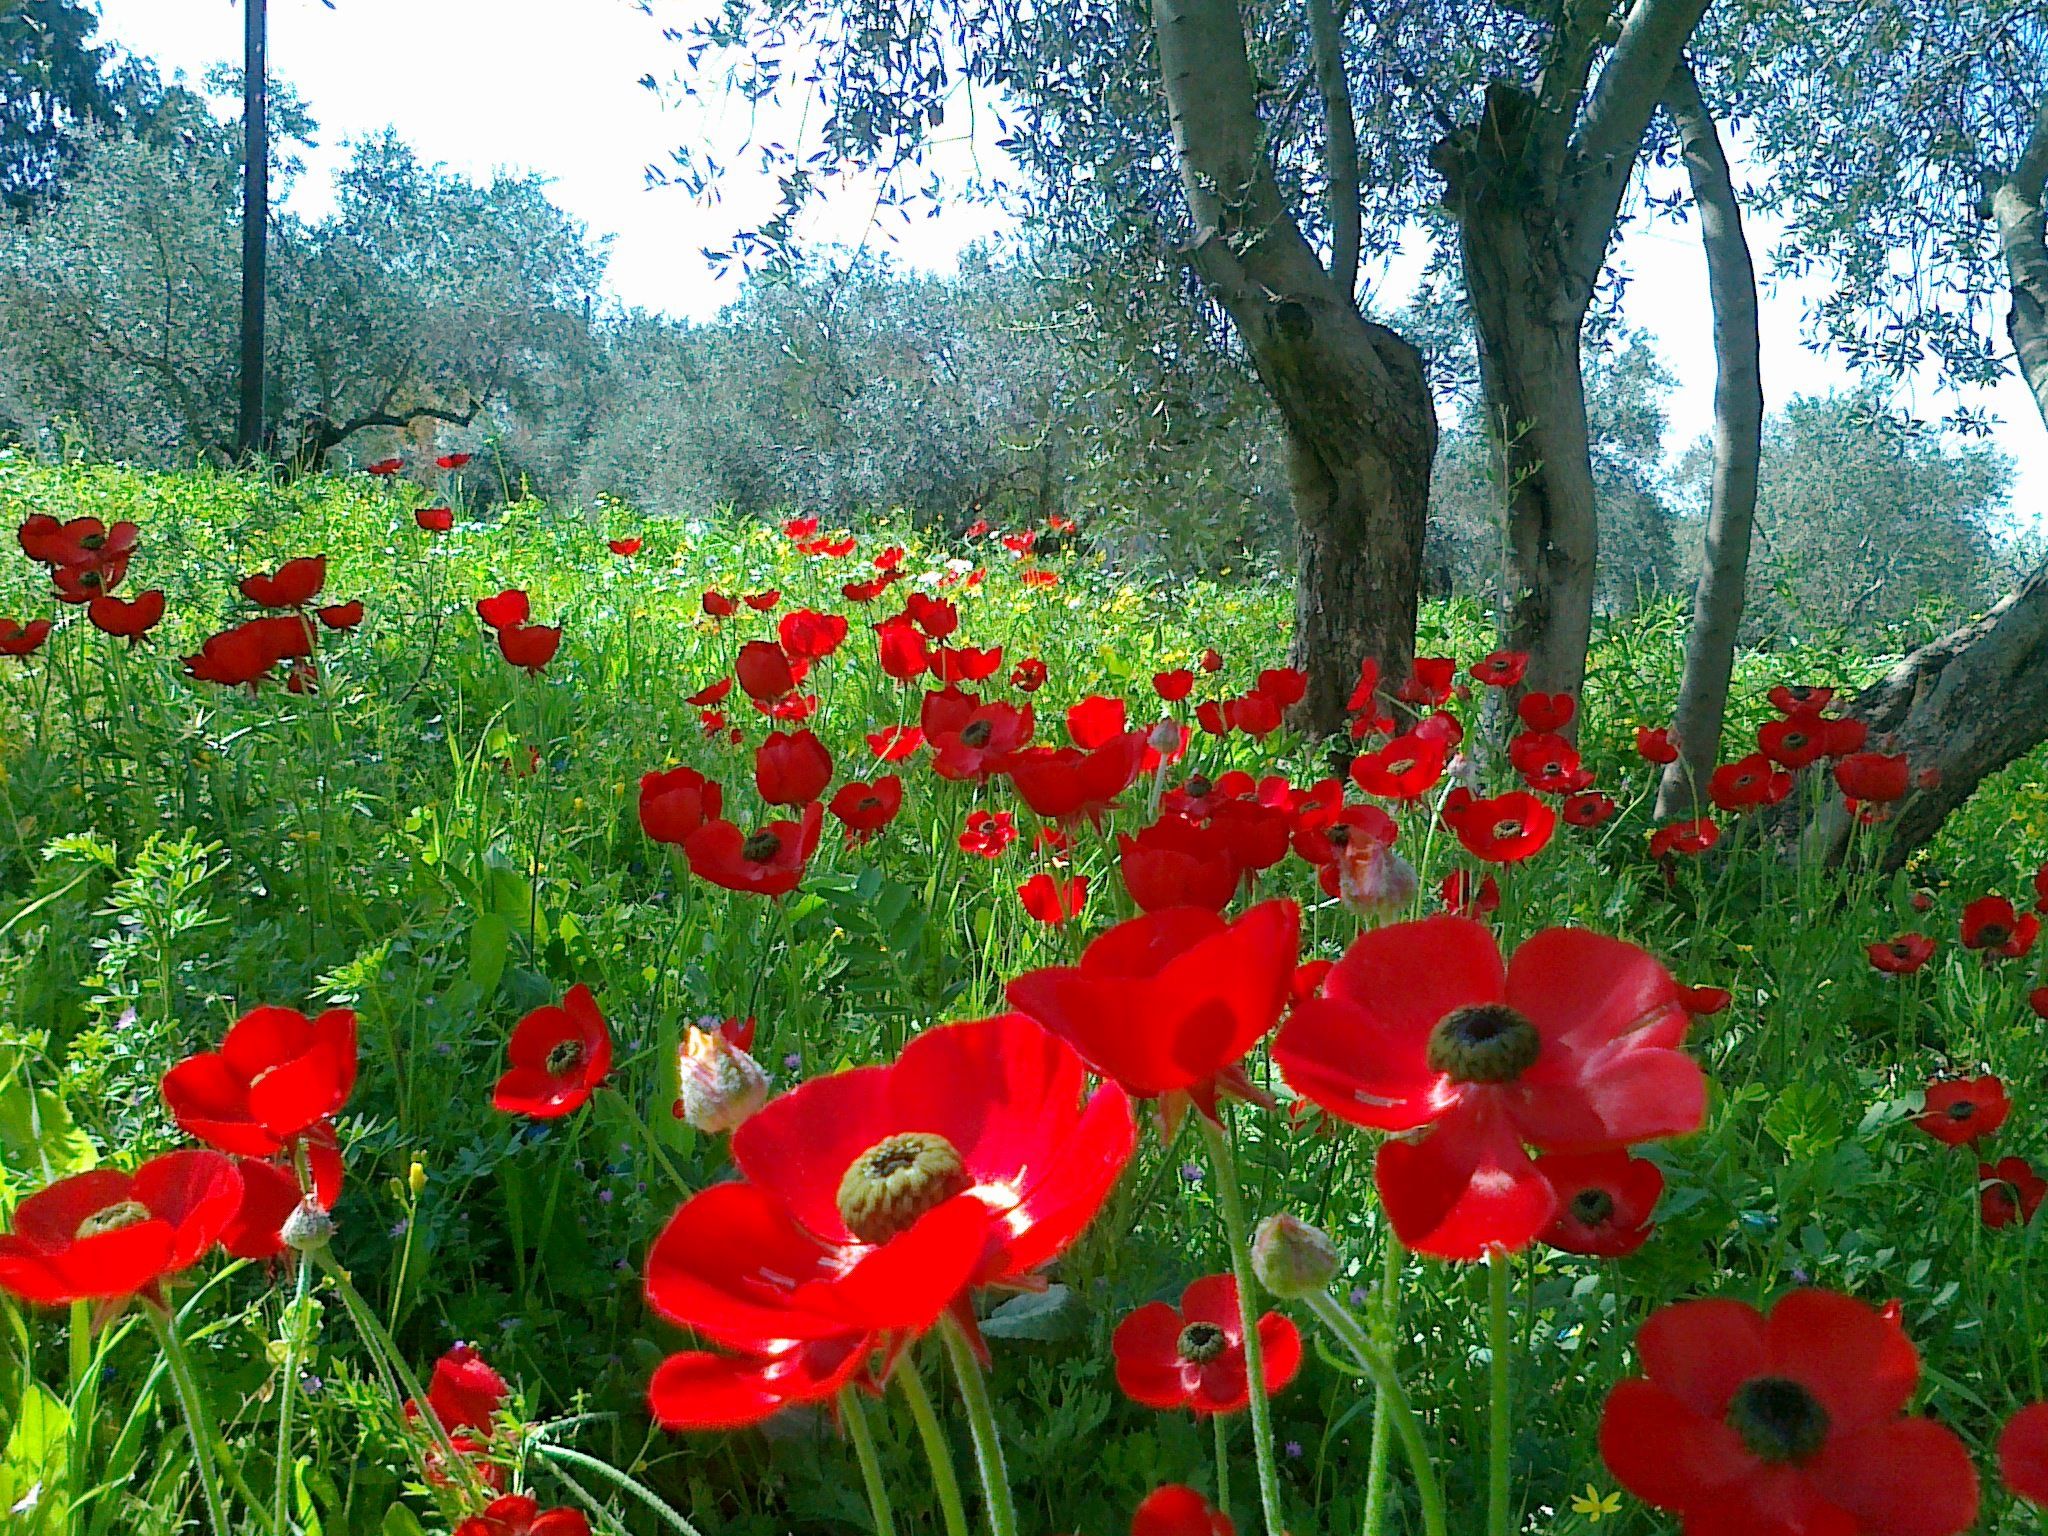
1292,1450
1191,1172
792,1061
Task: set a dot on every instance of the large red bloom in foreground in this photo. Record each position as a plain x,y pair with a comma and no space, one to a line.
1192,1356
515,1514
276,1076
1790,1426
1177,1510
2023,1453
1169,1003
872,1201
557,1057
112,1234
1571,1047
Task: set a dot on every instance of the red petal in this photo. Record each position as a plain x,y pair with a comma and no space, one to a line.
1464,1187
1850,1355
1663,1452
1911,1477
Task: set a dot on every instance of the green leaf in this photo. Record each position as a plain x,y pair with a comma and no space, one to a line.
32,1470
490,941
1044,1316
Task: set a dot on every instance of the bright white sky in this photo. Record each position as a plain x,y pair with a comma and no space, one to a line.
549,86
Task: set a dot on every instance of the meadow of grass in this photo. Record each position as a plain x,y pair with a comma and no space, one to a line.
442,842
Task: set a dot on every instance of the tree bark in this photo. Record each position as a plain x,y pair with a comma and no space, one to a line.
1738,446
255,221
1352,395
1536,186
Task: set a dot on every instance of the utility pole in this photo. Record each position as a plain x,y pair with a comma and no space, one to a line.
255,221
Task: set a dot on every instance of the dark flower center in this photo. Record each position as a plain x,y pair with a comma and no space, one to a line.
1199,1343
1593,1207
893,1183
1902,951
93,541
88,578
1962,1109
977,733
1796,739
1994,933
1777,1419
869,803
1200,787
565,1058
761,847
1486,1043
112,1218
1338,835
1508,827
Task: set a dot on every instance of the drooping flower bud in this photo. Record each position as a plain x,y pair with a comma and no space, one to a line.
309,1228
721,1084
1293,1259
1372,879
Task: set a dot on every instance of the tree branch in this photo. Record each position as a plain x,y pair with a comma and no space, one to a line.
2023,240
1340,142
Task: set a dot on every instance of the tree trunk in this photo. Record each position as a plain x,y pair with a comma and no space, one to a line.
1352,395
255,222
1738,445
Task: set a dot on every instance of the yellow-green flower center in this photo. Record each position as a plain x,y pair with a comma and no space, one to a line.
112,1218
1486,1043
898,1179
1199,1343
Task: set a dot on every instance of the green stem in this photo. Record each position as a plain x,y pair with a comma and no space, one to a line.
1500,1407
198,1419
1222,1423
1238,1232
1398,1410
855,1413
287,1392
1385,1313
981,1423
945,1481
673,1517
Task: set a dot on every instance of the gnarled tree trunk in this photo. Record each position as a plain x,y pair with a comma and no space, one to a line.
1352,395
1738,447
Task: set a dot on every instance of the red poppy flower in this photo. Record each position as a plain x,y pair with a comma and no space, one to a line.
514,1514
2023,1453
1903,955
1994,925
1695,836
1873,778
791,768
1748,783
270,1193
1176,1510
1192,1356
1799,699
676,803
1546,711
84,543
2009,1191
769,862
717,605
1064,783
872,1200
384,467
766,672
625,548
108,1234
1178,863
970,738
128,619
1655,746
762,602
988,833
1052,900
1963,1111
464,1392
1170,1003
19,639
1505,829
699,1390
340,615
1845,736
1175,685
1212,660
867,808
1604,1201
1406,768
965,663
1029,675
1466,897
1545,760
1430,681
293,585
811,635
1573,1046
1095,720
506,610
452,460
867,591
1502,669
435,519
799,527
1256,714
1793,742
557,1057
276,1076
530,646
895,743
1786,1426
901,649
1588,808
889,558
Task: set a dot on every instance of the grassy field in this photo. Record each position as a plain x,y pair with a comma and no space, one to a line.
442,842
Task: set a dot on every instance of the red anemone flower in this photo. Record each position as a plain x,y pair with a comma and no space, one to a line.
1800,699
895,743
1794,742
1588,808
1873,777
1178,863
1573,1046
988,833
1467,897
464,1391
1695,836
1052,900
2023,1453
127,618
1546,761
872,1200
766,671
270,1193
762,602
19,639
710,693
791,768
966,663
1175,685
1963,1111
1029,675
276,1076
1994,925
1096,721
769,862
2009,1191
867,808
452,460
1788,1426
1192,1356
293,586
676,803
515,1514
1747,783
901,649
1170,1003
558,1055
1430,681
970,738
1503,669
1655,746
108,1234
340,615
505,610
1212,660
1177,1510
1406,768
1903,955
700,1390
1063,783
809,634
717,605
530,646
1604,1201
383,468
1505,829
1546,711
626,548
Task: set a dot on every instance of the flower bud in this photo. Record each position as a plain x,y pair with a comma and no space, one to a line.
1372,879
1292,1259
416,1177
1165,737
721,1084
308,1228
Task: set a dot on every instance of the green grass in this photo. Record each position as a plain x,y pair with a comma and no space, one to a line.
176,853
